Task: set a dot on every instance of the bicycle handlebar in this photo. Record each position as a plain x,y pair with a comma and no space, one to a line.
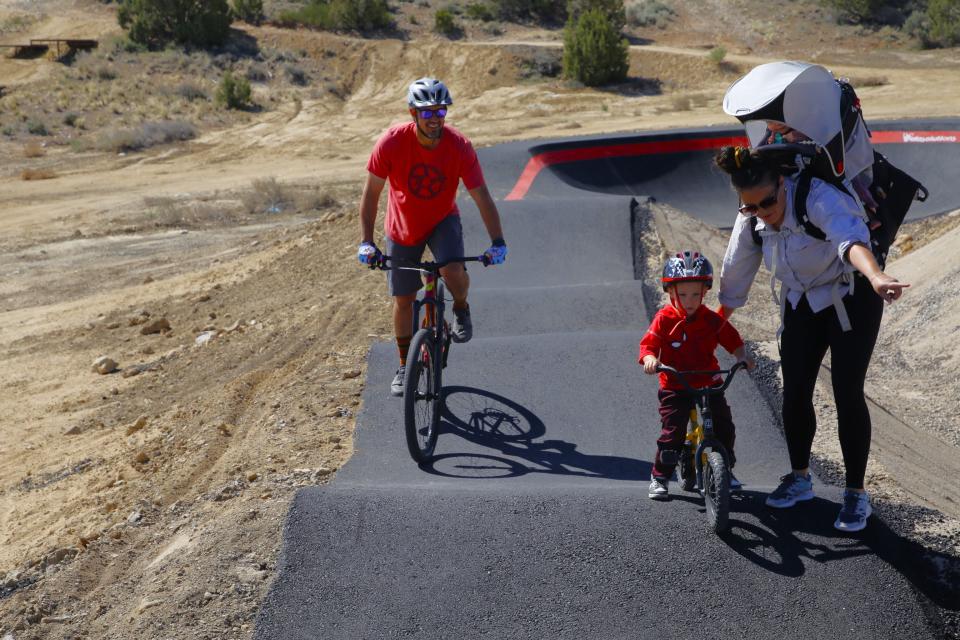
681,376
422,266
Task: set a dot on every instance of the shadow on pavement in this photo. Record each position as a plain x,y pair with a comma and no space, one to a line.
508,428
781,540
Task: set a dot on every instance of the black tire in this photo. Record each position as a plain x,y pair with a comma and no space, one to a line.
421,397
686,470
716,491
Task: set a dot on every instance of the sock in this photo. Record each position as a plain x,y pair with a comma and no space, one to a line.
403,346
460,306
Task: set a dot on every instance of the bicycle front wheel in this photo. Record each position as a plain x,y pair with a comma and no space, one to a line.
421,397
716,491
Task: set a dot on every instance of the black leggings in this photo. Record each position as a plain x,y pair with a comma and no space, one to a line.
804,342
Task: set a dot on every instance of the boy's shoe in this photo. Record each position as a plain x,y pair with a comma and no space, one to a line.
659,489
855,511
792,489
396,387
462,329
735,485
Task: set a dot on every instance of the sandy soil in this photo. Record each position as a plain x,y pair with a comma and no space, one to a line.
149,502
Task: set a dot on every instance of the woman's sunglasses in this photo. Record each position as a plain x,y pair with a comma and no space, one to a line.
766,203
426,114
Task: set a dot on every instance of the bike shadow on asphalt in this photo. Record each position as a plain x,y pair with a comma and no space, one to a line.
783,540
512,432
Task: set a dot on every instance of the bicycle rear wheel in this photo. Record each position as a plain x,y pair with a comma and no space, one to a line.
716,491
421,397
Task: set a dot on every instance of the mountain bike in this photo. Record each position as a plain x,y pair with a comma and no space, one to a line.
704,463
429,350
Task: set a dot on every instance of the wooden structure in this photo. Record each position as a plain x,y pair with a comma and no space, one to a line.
40,46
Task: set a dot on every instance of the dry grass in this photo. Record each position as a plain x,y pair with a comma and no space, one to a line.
37,174
33,150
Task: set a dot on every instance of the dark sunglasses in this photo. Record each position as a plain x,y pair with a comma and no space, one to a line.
766,203
426,114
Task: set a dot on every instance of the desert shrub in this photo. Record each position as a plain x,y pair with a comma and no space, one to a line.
154,23
268,195
593,51
249,11
257,73
917,26
71,119
340,15
233,92
549,11
868,11
480,11
106,73
37,128
944,22
541,62
445,24
717,54
37,174
650,13
297,75
146,135
190,91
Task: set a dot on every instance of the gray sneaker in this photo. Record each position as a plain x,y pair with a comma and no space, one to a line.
396,387
855,511
462,329
792,489
659,489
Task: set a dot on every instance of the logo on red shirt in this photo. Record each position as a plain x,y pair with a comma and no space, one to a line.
425,181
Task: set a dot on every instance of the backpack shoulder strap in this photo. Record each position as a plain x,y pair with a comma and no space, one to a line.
800,207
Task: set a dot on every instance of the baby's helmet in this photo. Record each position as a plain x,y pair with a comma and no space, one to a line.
687,266
428,92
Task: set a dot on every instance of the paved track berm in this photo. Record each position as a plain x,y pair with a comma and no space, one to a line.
533,521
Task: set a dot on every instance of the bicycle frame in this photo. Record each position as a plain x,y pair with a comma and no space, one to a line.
700,435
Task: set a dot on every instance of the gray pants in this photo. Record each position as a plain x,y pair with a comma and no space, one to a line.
445,242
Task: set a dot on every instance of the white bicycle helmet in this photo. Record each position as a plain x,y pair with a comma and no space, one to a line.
428,92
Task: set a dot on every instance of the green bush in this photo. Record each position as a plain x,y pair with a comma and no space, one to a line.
340,15
445,24
858,11
37,128
249,11
480,11
612,10
944,22
233,92
917,26
549,11
593,51
650,13
717,54
154,23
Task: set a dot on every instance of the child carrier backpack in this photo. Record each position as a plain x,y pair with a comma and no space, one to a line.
835,146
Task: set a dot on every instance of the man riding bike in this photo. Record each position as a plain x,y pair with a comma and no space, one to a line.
424,161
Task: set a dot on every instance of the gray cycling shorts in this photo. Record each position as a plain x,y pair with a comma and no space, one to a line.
445,242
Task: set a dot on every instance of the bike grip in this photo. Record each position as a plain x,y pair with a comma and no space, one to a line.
484,259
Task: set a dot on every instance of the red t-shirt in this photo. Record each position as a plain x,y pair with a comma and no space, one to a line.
688,344
423,182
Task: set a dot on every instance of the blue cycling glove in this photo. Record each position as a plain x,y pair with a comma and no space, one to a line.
369,254
496,254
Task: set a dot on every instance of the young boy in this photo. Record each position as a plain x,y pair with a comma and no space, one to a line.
684,335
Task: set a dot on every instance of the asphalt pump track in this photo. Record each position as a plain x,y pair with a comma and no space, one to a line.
533,519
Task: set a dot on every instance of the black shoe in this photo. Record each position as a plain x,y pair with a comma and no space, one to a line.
462,329
396,387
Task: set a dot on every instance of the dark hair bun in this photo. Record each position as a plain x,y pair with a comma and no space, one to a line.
746,167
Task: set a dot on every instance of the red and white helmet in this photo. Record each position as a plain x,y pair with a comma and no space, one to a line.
687,266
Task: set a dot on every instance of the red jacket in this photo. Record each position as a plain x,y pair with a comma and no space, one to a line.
688,344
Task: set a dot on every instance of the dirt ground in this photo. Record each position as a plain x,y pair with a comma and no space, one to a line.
219,275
